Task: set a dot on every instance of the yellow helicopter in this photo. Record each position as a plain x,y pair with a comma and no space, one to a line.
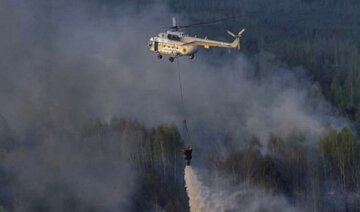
174,43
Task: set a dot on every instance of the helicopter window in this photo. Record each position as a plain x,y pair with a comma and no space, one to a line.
173,37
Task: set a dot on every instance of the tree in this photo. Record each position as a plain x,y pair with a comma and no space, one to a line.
342,151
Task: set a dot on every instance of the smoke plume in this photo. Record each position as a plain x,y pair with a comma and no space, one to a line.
203,198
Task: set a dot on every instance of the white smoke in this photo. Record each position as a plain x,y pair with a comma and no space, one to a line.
244,198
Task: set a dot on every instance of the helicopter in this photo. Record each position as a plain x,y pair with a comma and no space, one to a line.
174,43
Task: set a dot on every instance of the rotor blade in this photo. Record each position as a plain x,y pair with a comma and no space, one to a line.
208,23
230,33
173,22
242,31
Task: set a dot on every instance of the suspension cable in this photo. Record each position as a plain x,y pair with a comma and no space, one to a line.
185,127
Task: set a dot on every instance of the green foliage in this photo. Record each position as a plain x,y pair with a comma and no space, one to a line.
282,168
157,154
342,151
250,165
166,146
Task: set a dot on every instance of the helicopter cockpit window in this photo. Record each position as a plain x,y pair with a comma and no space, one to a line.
173,37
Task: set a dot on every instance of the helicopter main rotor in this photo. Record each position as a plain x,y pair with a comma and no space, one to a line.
176,27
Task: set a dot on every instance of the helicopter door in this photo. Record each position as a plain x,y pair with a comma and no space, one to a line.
156,44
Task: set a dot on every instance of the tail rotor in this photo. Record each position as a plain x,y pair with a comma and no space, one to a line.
237,37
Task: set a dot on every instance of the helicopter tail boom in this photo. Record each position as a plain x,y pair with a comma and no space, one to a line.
213,43
236,43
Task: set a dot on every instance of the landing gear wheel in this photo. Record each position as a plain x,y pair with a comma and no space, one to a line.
159,56
171,59
192,57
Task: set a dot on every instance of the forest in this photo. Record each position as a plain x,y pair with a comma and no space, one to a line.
58,154
321,35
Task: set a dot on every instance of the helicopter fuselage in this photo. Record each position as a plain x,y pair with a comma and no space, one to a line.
172,45
175,44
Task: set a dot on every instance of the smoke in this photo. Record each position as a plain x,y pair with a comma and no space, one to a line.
64,64
204,198
63,174
68,63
